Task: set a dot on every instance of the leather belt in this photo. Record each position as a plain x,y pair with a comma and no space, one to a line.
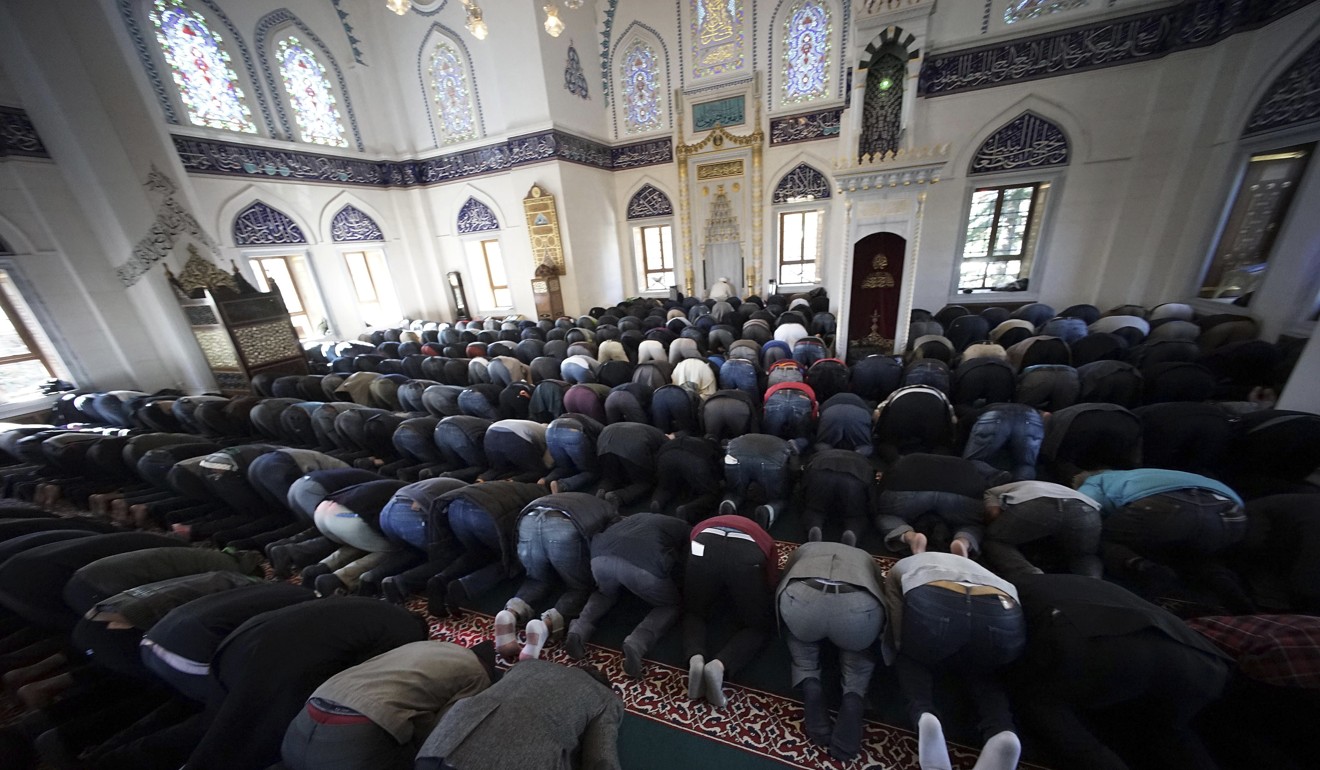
831,588
724,532
950,585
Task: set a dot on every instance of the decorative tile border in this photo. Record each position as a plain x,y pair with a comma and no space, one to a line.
1126,40
18,136
209,156
805,126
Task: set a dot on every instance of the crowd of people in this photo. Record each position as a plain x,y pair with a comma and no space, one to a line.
1033,481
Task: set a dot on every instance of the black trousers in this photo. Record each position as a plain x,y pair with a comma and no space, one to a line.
729,578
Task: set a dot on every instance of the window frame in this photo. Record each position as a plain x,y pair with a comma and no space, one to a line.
821,205
287,253
474,248
383,298
1055,178
53,359
637,234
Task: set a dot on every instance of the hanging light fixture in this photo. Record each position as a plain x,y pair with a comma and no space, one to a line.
399,6
552,23
475,24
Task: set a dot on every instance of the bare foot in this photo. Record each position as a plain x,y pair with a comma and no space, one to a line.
915,541
960,547
182,530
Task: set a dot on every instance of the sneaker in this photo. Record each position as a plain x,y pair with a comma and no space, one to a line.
506,634
696,679
537,634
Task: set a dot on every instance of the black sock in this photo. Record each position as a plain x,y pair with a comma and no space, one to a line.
816,721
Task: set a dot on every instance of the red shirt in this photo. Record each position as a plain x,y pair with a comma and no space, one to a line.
751,528
1282,650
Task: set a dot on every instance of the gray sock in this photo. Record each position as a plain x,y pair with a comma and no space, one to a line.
932,751
1001,752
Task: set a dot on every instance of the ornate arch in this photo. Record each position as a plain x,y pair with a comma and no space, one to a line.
262,225
274,22
351,225
1292,99
803,183
1028,141
476,217
135,14
455,40
649,201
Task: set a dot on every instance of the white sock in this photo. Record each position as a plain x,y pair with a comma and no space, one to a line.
932,752
1001,752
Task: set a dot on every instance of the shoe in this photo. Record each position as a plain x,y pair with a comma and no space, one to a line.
574,646
849,538
728,508
696,677
310,573
506,634
816,715
764,516
455,597
330,585
554,621
536,638
814,535
394,590
713,673
632,659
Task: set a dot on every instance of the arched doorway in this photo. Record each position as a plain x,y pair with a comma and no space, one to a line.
877,279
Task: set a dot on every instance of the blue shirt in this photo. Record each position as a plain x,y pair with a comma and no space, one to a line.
1115,489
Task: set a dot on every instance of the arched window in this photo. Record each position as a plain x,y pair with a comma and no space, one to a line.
800,220
806,52
201,67
653,239
310,94
452,92
882,111
639,88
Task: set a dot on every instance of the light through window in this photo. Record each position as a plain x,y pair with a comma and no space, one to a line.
294,280
653,245
799,246
1002,225
27,357
372,286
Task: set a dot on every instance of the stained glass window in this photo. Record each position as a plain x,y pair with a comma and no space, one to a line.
806,52
310,94
453,95
1022,10
207,84
641,93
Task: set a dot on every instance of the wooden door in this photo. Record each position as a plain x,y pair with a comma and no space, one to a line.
877,280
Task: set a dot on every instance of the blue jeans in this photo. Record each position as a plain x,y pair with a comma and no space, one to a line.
574,458
974,636
1013,428
555,554
400,522
898,510
1188,520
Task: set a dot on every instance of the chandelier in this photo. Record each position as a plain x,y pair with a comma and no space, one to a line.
554,26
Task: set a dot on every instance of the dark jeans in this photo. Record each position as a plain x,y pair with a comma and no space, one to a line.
480,566
1072,525
574,456
612,575
1016,429
828,494
1186,520
974,636
729,577
687,484
556,556
768,475
512,457
899,509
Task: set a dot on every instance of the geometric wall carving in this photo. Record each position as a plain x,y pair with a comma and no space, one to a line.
266,342
263,225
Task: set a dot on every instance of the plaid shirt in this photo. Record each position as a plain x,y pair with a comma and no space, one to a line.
1282,650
